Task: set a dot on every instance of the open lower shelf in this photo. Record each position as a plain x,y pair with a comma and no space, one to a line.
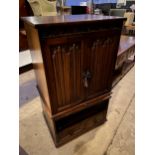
76,118
72,126
76,124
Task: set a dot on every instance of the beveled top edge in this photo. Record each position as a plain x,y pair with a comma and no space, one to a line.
66,19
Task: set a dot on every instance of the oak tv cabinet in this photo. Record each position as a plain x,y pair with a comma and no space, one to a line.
74,59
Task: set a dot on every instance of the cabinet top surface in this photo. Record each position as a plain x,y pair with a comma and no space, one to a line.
67,19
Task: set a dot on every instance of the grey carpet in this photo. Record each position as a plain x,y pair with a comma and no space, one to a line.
27,92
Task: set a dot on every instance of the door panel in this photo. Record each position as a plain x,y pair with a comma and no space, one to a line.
99,59
66,63
80,68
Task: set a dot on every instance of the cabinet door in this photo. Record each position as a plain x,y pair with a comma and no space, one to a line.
64,63
99,58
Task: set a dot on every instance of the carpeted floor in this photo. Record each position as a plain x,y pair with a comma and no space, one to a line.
27,87
27,92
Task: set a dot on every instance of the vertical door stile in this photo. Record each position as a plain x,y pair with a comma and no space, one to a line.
110,61
60,72
104,63
79,72
54,61
66,73
73,71
63,73
93,59
56,56
101,78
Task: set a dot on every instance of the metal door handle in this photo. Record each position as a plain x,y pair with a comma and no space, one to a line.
86,77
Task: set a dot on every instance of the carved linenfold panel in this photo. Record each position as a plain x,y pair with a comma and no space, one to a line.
101,42
107,41
66,61
71,59
99,54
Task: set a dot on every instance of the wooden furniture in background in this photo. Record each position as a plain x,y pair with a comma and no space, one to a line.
130,30
129,26
43,7
64,10
117,12
74,59
125,57
24,10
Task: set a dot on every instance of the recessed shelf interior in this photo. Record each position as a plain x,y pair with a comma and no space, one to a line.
70,120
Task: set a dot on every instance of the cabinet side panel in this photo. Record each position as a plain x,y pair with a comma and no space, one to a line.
34,45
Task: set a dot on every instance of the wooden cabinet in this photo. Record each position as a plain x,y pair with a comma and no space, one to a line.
74,58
